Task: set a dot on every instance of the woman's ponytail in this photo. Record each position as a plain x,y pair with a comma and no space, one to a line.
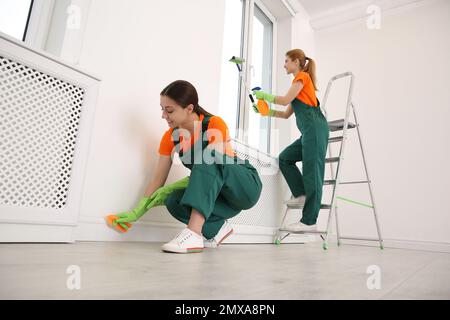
200,110
307,64
310,68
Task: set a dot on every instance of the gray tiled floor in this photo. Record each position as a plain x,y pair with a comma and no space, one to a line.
132,270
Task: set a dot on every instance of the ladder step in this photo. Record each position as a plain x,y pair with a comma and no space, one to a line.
299,206
331,182
354,182
359,238
295,206
302,232
330,160
337,125
335,139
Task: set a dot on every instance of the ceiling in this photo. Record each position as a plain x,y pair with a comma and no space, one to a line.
317,7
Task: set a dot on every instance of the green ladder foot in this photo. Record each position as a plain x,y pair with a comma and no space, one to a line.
277,242
325,246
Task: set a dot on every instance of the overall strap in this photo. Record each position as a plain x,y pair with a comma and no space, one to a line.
176,133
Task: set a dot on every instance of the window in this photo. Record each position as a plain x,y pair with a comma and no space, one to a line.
229,104
14,17
248,33
261,76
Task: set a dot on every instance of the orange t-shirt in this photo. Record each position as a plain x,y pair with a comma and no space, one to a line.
307,94
217,133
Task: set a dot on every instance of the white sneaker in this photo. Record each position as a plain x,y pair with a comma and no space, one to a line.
300,227
225,231
299,201
187,241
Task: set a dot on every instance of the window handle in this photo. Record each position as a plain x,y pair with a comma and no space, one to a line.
252,70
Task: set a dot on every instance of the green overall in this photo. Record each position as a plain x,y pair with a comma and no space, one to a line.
311,150
218,189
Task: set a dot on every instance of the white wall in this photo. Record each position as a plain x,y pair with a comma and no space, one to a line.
303,38
137,50
401,92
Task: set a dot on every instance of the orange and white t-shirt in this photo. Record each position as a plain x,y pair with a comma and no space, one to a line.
308,93
217,135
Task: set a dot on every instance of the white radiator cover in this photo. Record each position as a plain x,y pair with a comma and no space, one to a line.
266,213
46,115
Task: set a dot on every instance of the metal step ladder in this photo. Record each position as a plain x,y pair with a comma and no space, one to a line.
337,125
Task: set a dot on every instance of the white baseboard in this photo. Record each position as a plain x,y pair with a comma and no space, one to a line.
398,244
27,232
94,229
418,245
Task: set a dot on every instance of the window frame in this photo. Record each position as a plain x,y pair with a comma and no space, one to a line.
246,52
27,23
39,23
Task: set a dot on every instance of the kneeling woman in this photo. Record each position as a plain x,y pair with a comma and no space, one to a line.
220,184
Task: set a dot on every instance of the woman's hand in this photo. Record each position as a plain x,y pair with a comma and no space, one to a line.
133,215
263,108
160,195
156,199
261,95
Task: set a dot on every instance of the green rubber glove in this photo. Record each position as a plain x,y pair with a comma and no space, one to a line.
270,113
261,95
159,196
133,215
156,199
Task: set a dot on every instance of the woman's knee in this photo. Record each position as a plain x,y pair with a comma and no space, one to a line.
172,202
253,197
284,159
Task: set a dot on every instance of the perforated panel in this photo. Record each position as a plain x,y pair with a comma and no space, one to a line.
266,212
39,123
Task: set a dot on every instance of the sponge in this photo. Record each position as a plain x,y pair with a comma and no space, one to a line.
109,221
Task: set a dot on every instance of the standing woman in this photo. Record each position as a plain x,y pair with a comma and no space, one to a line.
220,184
311,147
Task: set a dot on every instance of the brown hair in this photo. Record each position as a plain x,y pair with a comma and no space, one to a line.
309,67
184,93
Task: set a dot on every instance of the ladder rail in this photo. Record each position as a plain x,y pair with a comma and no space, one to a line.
341,151
330,153
368,178
278,237
328,89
